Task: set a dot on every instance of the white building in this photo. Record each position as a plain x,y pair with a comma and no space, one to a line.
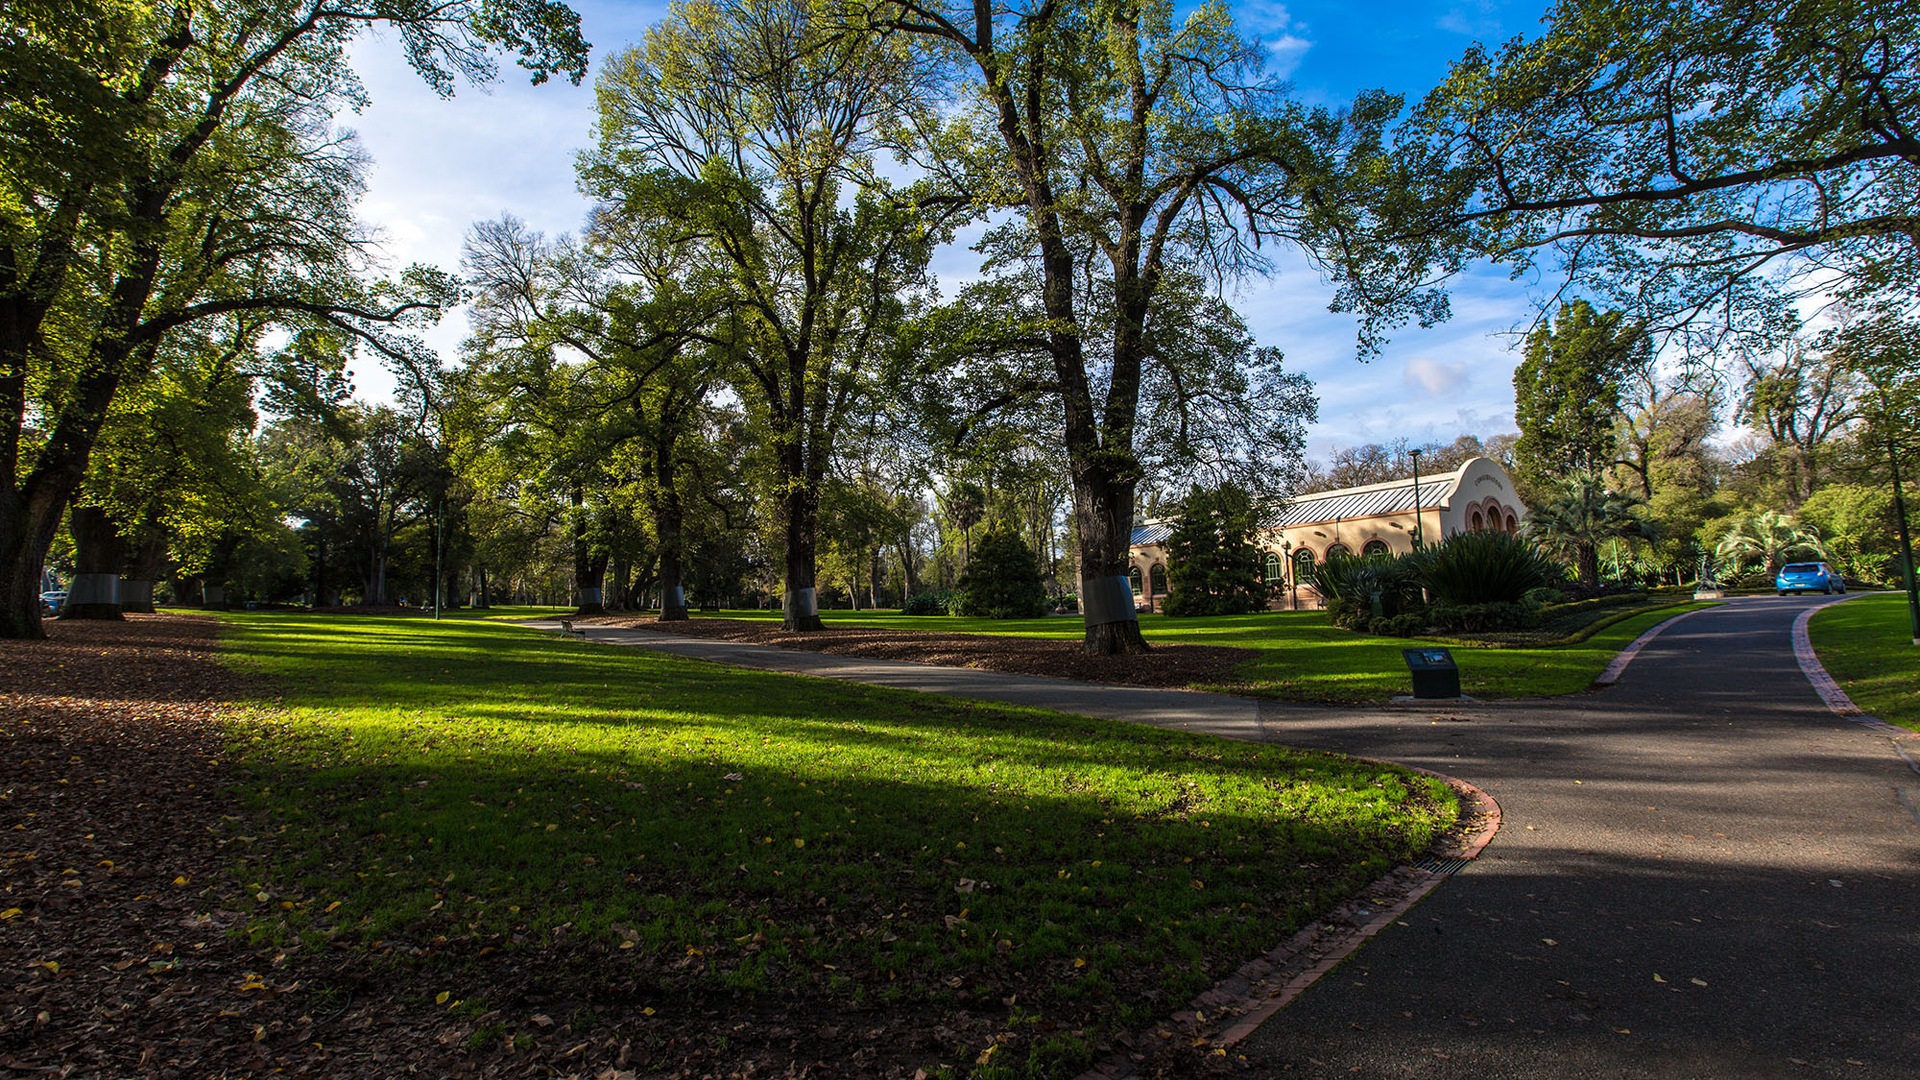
1375,519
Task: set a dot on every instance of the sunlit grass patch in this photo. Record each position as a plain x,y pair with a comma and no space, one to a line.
1867,646
446,789
1303,657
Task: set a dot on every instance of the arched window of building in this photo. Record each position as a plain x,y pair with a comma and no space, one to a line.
1479,522
1303,567
1276,571
1158,576
1336,549
1374,547
1133,579
1513,525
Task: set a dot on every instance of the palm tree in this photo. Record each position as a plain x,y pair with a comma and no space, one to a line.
1579,514
966,504
1771,536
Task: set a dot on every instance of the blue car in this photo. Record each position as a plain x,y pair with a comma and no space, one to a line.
1809,577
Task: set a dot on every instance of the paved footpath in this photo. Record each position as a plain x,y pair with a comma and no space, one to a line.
1702,873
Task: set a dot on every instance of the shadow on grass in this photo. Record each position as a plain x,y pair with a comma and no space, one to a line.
468,783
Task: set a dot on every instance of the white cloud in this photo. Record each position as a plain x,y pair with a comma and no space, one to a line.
1436,377
1285,52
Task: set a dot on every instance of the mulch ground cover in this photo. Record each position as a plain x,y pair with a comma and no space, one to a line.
1163,665
124,901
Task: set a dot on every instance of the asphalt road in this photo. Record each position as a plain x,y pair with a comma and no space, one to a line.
1702,872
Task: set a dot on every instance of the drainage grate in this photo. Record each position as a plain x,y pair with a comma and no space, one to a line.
1442,867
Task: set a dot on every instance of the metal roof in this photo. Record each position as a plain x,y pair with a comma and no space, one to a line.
1392,497
1342,504
1153,532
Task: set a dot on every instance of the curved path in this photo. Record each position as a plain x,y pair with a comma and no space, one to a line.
1703,872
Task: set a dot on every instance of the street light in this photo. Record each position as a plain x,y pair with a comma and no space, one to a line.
1417,537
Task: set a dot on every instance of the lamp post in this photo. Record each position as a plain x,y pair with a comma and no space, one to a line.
1417,537
1293,580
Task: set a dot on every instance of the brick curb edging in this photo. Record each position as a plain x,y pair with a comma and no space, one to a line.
1823,682
1240,1003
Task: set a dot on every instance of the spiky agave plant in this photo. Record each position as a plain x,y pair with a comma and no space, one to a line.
1482,568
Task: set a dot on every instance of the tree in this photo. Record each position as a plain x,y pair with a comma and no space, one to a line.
751,129
1578,514
1770,537
634,315
1667,459
1213,565
1378,463
1141,153
1566,393
1801,403
1704,158
1002,579
964,504
1857,522
166,164
1881,350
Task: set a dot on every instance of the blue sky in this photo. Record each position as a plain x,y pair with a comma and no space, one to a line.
439,166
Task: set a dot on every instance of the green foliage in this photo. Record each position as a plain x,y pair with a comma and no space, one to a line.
1643,146
1767,540
1213,565
1360,589
1857,522
1476,568
1577,514
1566,392
166,168
942,602
1002,580
1483,617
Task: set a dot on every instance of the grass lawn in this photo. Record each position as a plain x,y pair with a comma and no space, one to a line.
1867,646
1303,657
680,844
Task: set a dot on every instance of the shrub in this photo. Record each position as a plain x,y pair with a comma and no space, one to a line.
1543,596
930,603
1405,624
1359,589
1476,568
1479,618
1002,580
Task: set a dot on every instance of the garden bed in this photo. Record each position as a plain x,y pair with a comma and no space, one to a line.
1175,665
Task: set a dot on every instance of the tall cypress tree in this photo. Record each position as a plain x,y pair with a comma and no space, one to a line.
1566,393
1213,565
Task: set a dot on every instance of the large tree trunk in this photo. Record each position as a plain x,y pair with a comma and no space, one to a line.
98,556
800,607
586,577
669,523
909,577
143,569
1104,509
